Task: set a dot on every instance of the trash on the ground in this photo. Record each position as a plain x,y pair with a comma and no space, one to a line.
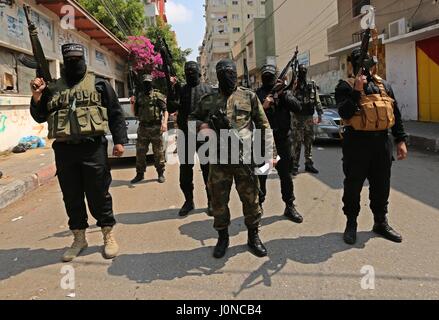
71,295
321,149
29,142
16,219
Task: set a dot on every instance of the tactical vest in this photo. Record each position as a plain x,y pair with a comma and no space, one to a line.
76,112
308,96
376,110
148,107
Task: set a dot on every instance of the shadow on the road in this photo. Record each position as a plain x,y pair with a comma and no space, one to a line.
16,261
203,230
68,233
149,267
304,250
127,183
153,216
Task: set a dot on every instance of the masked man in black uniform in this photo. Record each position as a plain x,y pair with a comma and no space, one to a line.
188,97
278,110
78,112
368,108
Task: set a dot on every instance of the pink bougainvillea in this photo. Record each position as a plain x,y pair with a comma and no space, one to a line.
143,56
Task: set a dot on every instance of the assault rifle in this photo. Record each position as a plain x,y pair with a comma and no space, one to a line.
41,63
168,67
246,81
280,82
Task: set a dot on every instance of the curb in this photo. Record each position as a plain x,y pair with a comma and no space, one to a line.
17,189
427,144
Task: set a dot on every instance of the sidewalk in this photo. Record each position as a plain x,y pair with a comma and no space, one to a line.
25,172
423,135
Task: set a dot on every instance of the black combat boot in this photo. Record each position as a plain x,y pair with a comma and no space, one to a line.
255,244
295,171
382,228
161,178
292,214
188,206
139,177
222,244
350,234
310,168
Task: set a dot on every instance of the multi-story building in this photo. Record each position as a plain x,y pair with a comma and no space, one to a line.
154,9
226,21
105,56
408,49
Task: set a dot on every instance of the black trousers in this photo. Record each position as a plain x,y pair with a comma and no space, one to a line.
83,171
367,156
285,170
186,157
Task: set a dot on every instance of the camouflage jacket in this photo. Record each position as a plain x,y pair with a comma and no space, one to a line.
150,107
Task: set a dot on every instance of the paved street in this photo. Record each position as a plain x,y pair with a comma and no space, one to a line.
167,257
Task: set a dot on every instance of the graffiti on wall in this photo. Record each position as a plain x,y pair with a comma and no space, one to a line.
3,119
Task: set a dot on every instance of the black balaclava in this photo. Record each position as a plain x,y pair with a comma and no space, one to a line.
147,83
227,76
75,67
192,73
303,72
268,76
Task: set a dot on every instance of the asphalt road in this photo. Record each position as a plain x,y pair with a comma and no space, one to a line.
167,257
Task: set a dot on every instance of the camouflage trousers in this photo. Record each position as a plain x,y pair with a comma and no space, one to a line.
147,135
303,133
221,178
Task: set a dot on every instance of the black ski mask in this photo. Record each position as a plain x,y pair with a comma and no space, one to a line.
147,83
268,76
192,73
303,73
227,76
75,67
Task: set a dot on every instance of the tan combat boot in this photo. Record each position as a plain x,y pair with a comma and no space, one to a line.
111,248
79,244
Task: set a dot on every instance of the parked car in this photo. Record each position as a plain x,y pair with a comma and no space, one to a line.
132,124
329,128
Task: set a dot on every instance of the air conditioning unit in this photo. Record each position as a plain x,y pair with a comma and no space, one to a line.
397,28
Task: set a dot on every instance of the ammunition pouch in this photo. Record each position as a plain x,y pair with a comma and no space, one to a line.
376,111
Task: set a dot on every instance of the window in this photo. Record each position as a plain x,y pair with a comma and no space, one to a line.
120,89
235,16
357,5
235,3
14,76
236,30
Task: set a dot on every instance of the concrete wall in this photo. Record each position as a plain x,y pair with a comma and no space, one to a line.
327,75
402,75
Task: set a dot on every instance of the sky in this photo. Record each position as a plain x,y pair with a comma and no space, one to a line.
186,18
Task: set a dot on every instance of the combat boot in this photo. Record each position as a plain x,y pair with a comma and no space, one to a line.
139,177
188,206
222,244
111,248
350,234
295,171
311,169
79,244
161,178
383,229
292,214
255,244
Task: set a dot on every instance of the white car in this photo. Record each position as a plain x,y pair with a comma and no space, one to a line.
132,125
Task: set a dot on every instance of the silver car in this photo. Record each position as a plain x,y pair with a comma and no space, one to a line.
132,124
329,128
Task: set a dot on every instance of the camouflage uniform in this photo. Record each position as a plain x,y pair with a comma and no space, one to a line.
150,108
243,109
303,122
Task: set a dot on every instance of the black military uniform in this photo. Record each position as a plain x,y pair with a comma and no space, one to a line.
279,116
188,97
81,156
367,155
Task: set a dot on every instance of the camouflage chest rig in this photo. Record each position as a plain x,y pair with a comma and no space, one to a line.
76,112
149,111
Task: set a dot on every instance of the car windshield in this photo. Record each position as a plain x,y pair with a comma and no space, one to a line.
328,101
127,112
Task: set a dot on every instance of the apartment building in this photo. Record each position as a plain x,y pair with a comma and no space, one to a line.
154,9
226,22
408,49
105,56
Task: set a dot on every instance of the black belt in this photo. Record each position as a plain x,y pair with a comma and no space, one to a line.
350,130
78,141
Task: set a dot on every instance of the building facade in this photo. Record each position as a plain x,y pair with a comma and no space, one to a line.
154,9
105,56
408,50
226,22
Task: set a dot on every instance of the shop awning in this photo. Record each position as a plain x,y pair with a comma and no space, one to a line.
86,23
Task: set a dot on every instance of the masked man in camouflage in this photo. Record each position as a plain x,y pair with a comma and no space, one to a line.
150,108
303,121
244,113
